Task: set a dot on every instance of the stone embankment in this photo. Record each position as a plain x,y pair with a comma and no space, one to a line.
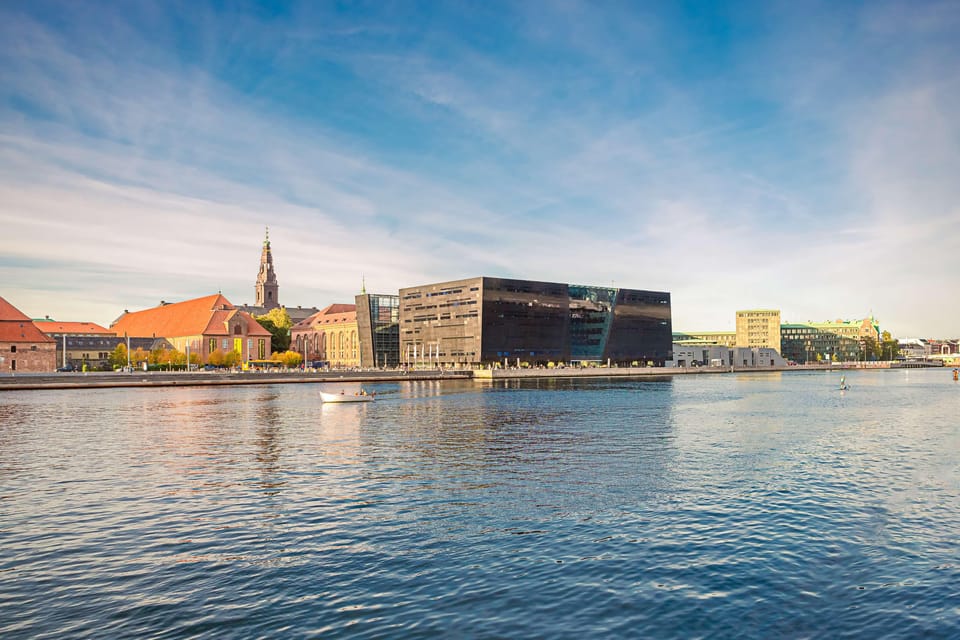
205,378
209,378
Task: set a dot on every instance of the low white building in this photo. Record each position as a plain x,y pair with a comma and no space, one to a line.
914,348
703,355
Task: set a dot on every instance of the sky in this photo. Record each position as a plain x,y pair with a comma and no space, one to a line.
801,156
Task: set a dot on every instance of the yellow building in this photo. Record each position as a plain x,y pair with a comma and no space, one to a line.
759,328
720,338
330,335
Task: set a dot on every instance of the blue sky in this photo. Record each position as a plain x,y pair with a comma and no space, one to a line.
800,156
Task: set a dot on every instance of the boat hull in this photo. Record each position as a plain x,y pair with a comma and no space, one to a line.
342,397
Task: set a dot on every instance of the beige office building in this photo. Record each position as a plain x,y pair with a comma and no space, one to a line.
759,328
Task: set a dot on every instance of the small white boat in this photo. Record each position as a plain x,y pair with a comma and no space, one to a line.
343,397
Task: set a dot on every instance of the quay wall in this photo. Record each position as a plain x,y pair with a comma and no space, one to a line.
203,379
21,382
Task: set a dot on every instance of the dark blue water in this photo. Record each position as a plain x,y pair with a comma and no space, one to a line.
755,506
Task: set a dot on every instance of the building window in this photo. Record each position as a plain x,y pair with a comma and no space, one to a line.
213,345
13,365
13,348
226,344
261,349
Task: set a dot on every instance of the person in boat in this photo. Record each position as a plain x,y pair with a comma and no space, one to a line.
342,392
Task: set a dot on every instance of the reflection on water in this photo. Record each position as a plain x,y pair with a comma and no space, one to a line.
748,505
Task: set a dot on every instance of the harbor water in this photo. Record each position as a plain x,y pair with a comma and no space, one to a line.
766,505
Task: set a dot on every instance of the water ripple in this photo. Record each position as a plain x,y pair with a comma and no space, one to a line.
709,507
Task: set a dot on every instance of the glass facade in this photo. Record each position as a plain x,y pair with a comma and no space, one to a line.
524,320
806,344
378,325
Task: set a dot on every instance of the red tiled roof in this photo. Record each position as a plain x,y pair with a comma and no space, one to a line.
16,327
338,308
200,316
333,313
10,312
52,326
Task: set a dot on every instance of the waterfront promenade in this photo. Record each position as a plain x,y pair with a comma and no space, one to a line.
212,378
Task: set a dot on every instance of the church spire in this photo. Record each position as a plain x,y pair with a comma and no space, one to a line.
267,290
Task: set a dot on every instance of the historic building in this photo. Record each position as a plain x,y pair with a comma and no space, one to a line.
329,337
23,347
378,326
266,291
201,326
515,322
79,343
852,329
759,328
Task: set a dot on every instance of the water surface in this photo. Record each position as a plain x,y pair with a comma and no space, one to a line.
708,506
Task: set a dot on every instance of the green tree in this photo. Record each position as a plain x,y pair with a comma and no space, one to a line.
889,346
278,323
871,349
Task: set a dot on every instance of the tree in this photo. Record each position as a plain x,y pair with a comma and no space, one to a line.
139,355
871,350
292,358
278,323
118,358
216,358
889,346
231,359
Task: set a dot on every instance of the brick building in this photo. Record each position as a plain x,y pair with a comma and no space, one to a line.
23,347
202,325
330,336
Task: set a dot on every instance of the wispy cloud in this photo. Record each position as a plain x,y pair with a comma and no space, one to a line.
737,159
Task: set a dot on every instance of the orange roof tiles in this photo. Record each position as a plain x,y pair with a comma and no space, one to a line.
52,326
16,327
10,312
200,316
334,313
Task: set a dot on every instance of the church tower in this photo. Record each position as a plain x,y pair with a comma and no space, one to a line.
267,289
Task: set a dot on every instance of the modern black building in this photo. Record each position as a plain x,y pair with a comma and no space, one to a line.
378,330
497,320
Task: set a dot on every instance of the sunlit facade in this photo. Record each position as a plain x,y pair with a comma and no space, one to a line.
758,328
329,337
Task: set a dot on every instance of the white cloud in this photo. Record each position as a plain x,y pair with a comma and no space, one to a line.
131,178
